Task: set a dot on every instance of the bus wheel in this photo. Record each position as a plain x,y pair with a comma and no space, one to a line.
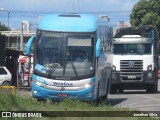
97,99
106,98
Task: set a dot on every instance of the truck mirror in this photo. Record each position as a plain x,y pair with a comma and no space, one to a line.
29,45
98,47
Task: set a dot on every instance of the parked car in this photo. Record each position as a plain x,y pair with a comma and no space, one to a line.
5,76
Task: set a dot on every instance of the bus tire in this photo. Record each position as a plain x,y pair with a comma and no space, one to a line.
106,98
97,99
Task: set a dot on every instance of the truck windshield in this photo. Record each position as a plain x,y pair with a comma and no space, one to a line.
66,55
132,48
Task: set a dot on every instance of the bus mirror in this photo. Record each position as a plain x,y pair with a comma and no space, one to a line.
98,47
29,45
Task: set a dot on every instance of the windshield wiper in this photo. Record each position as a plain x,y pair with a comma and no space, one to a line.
74,69
73,66
52,68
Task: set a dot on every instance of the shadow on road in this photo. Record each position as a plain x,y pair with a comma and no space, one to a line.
115,101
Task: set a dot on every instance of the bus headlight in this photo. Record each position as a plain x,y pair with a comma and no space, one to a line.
35,92
149,68
87,85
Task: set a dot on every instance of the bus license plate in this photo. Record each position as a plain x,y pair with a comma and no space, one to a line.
131,77
62,95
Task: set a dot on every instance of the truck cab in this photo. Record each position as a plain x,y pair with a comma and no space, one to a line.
135,60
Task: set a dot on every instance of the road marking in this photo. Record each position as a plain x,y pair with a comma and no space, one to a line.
136,103
144,106
151,98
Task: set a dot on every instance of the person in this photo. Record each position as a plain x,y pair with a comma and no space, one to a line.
82,57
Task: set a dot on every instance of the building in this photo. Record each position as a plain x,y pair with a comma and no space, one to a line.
26,25
122,24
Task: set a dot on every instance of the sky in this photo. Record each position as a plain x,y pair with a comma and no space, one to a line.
68,5
117,10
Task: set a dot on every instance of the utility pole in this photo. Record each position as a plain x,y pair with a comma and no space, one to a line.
8,28
21,40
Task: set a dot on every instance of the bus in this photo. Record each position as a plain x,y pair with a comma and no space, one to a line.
58,73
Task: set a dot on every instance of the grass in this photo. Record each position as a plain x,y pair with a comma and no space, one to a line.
14,102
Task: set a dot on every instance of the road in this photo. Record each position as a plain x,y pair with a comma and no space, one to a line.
136,100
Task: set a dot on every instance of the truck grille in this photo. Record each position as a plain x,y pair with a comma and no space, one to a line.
131,70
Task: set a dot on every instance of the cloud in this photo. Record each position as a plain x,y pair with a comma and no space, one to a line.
68,5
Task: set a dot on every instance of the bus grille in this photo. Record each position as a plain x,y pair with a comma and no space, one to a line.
131,70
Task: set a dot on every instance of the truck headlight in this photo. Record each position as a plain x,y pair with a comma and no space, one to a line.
114,77
149,75
149,68
114,68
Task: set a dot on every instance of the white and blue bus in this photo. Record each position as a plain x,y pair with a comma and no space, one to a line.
70,58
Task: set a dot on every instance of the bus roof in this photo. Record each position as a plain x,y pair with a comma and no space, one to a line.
68,23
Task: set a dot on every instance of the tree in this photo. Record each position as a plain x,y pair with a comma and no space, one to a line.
146,12
3,27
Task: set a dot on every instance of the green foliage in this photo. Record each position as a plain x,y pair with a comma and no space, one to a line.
3,27
146,12
15,102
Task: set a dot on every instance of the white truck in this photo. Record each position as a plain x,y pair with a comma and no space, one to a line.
135,59
5,76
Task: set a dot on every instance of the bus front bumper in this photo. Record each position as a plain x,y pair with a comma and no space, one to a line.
42,93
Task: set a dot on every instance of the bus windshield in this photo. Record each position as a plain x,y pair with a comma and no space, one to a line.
132,49
66,55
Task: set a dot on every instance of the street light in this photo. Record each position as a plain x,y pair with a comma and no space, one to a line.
8,12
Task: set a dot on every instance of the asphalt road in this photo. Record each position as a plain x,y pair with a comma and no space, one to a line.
136,100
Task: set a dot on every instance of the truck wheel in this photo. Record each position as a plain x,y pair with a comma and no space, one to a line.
121,90
152,88
6,84
113,89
